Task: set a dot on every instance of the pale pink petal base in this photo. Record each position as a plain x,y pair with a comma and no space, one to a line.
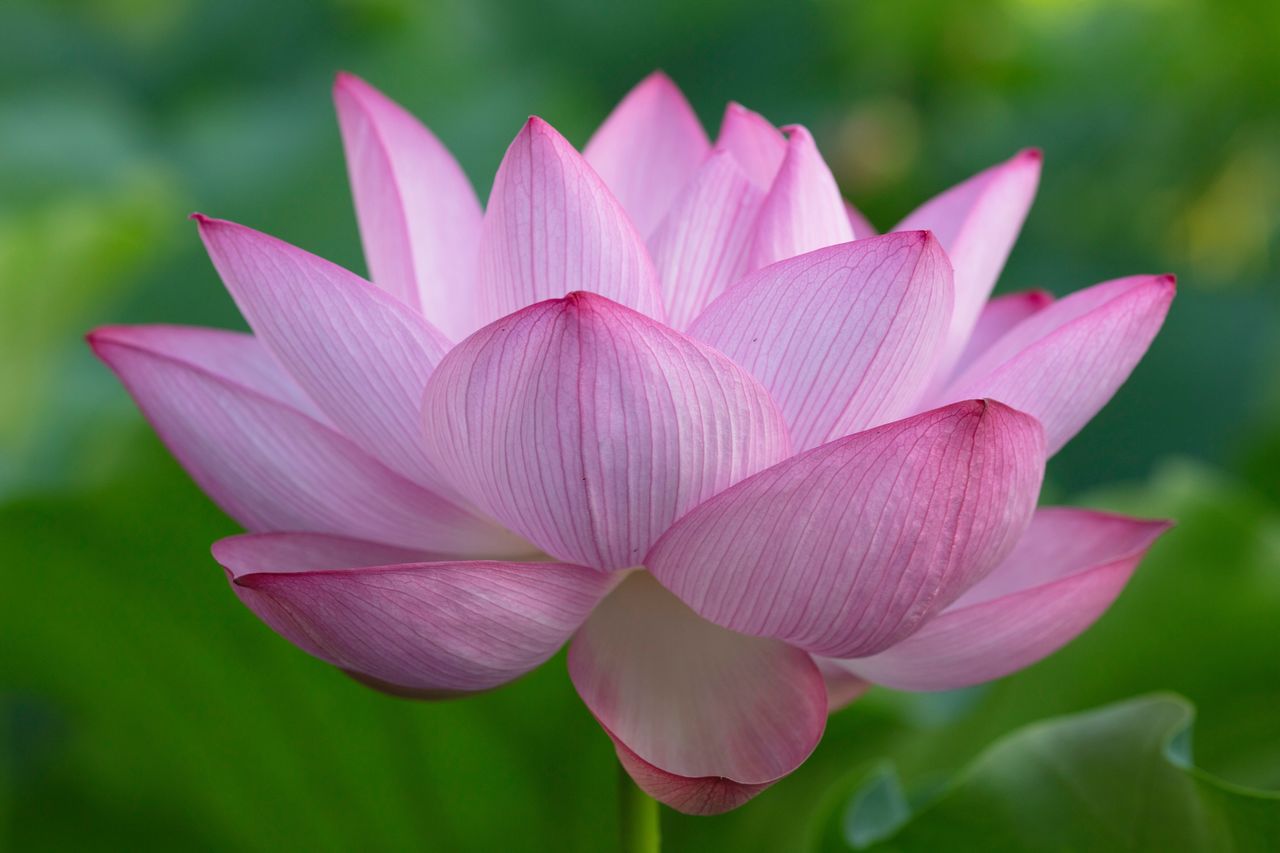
691,699
1062,576
425,628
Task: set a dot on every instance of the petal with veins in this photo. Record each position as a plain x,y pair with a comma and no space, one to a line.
552,227
1067,569
419,216
648,149
1064,363
846,549
419,628
269,465
843,337
804,210
588,428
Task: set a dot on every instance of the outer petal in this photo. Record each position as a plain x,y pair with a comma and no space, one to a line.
419,216
999,316
843,337
843,687
684,698
977,223
589,428
362,356
704,244
270,466
804,210
648,148
1064,573
754,142
552,227
1063,364
428,629
848,548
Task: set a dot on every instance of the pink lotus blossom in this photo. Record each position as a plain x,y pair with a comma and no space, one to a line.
670,399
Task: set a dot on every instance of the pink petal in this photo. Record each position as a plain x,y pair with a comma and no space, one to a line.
1064,363
804,210
977,223
862,227
1067,569
999,316
552,227
848,548
844,338
843,687
362,356
419,216
648,148
420,628
705,795
691,699
704,244
589,428
267,464
754,142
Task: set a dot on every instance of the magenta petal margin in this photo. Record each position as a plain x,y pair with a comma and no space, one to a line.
670,401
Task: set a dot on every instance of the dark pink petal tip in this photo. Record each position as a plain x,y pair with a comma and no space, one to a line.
706,795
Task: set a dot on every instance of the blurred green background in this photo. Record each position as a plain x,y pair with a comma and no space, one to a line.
142,708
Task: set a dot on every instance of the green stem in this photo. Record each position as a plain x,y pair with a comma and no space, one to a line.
638,817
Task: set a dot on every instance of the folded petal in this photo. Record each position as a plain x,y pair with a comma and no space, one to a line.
804,210
704,243
648,148
361,355
848,548
844,337
428,629
1067,569
977,223
552,227
269,465
1065,362
589,428
419,216
754,142
690,700
999,316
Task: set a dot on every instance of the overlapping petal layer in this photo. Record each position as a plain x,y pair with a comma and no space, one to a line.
804,210
754,142
977,223
588,428
423,628
419,216
552,227
267,464
846,549
1066,361
704,243
648,149
1067,569
362,356
692,700
844,338
999,316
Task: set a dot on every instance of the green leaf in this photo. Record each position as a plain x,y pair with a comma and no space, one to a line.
1117,778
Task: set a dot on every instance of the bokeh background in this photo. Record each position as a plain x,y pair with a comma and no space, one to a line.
142,708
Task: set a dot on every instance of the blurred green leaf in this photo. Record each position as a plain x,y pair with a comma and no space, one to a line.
1118,778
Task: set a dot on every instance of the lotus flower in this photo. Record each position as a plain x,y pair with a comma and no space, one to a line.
669,400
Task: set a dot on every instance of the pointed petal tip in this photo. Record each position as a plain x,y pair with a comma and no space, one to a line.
1030,155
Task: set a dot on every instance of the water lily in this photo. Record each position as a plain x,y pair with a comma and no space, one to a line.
671,401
